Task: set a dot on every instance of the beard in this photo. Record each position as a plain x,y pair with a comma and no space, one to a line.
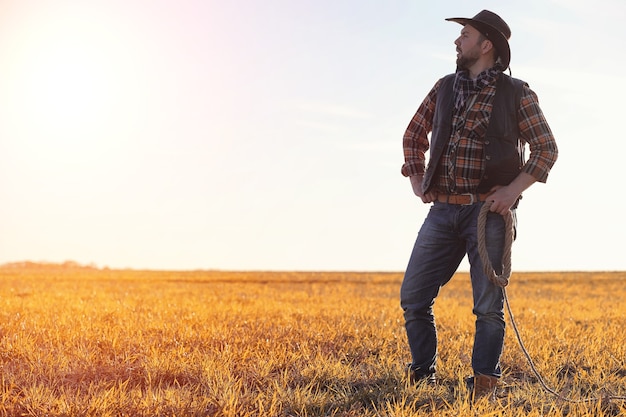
466,60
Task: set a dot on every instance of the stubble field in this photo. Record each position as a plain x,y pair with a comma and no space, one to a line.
78,341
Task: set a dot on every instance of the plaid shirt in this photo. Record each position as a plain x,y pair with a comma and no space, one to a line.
463,160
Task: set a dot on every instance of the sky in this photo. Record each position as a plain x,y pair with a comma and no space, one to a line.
267,135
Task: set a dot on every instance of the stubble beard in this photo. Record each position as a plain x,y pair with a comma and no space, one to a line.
465,61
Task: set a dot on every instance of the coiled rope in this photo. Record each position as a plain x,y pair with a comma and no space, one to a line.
502,281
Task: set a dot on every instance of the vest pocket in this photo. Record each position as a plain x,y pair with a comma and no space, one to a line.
502,161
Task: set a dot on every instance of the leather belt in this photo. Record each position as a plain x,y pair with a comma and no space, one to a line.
463,199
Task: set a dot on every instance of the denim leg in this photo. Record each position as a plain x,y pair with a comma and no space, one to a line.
436,255
488,299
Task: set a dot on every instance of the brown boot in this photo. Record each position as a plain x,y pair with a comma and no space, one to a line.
484,386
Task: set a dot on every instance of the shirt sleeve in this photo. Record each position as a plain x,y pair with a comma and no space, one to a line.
415,140
535,131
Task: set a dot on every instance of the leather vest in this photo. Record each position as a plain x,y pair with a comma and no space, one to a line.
503,150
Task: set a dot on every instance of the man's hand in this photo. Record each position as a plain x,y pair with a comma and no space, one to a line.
504,196
416,183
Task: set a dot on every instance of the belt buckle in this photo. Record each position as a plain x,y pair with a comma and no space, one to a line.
472,199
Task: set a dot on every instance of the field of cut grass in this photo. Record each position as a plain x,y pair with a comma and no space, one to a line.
78,341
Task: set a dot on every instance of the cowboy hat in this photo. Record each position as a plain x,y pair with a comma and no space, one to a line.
493,28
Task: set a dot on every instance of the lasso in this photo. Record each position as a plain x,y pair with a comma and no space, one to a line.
502,281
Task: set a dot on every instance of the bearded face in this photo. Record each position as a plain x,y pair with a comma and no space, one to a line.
465,59
468,47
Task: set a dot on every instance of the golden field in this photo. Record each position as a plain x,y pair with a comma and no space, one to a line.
78,341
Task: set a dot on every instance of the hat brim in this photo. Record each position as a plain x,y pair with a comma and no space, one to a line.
494,35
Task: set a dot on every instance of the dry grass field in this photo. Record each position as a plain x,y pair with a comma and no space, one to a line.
78,341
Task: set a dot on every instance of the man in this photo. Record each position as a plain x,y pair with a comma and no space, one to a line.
480,120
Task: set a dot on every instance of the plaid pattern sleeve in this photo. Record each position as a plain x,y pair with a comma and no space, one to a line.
415,140
535,131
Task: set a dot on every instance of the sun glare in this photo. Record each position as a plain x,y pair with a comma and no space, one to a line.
66,76
65,86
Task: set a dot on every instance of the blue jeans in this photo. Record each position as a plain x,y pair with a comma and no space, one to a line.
448,233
